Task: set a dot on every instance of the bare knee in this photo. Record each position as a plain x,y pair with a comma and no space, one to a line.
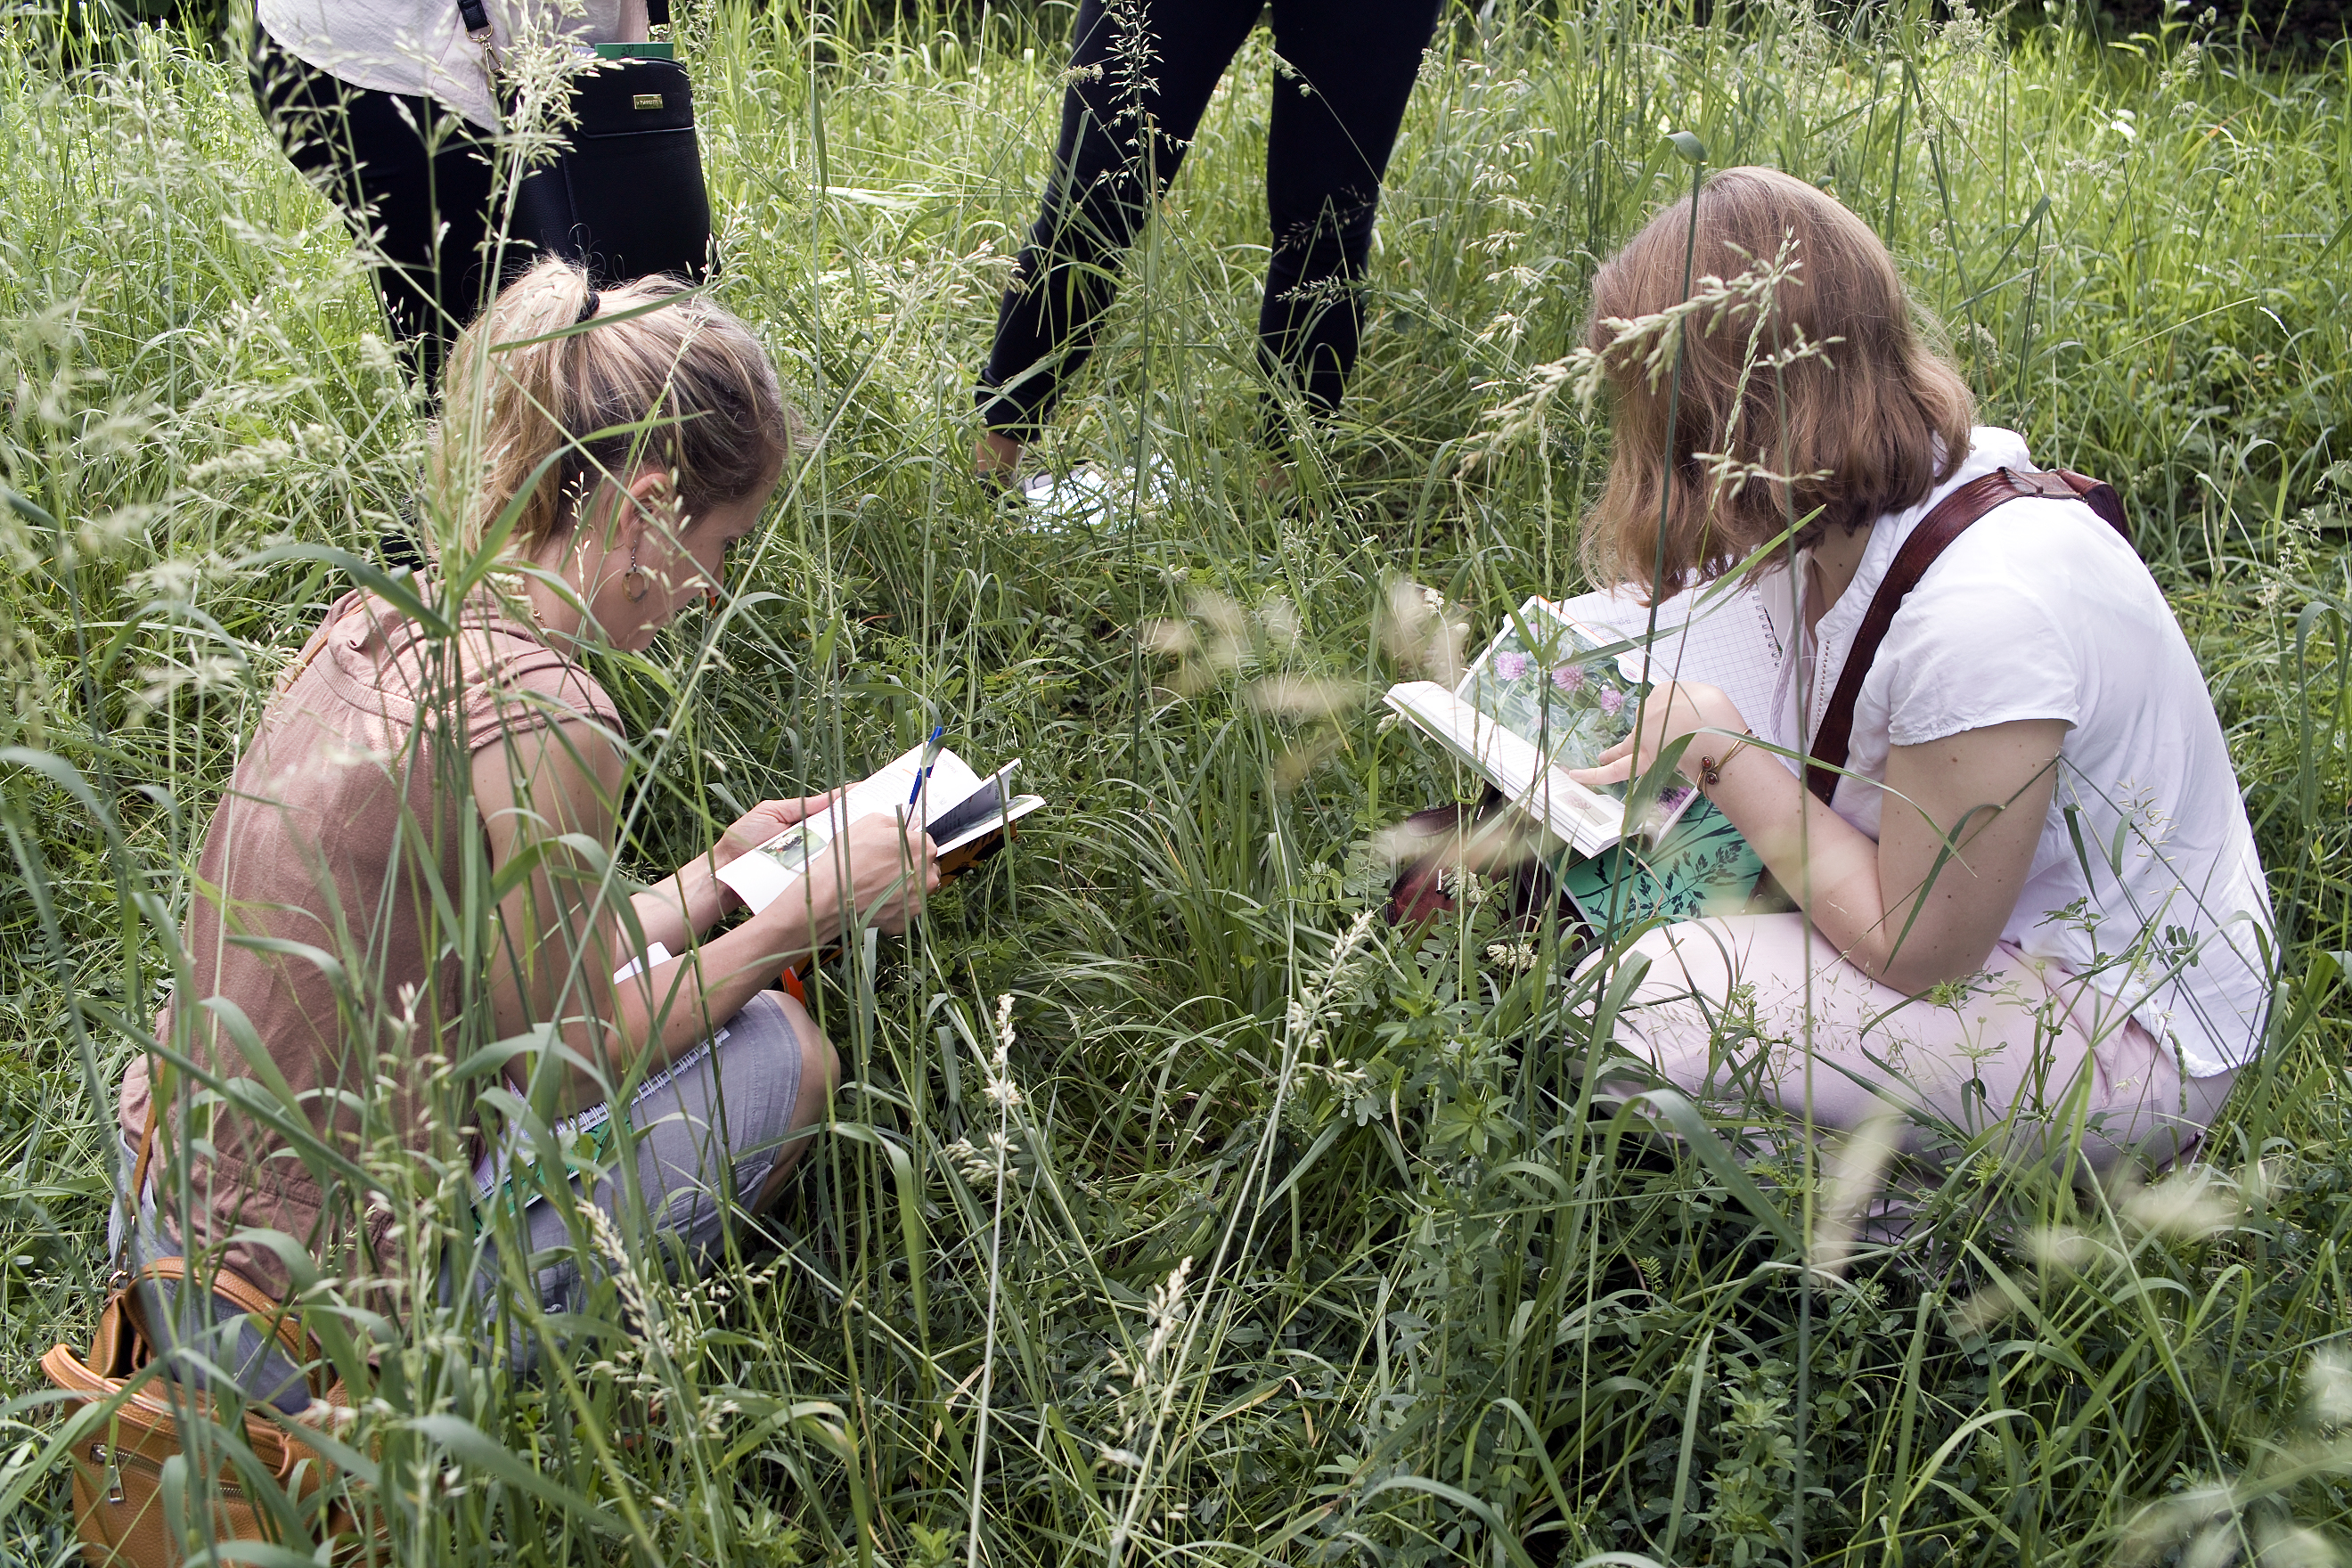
820,1076
820,1067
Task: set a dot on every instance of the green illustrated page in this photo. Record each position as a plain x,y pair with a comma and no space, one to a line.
1702,867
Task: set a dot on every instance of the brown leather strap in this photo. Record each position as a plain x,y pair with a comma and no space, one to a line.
146,1158
139,1168
1951,518
225,1282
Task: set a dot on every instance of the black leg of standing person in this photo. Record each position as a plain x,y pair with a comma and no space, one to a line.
412,179
1347,68
1106,176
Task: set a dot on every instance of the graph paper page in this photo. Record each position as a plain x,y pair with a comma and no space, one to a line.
1732,643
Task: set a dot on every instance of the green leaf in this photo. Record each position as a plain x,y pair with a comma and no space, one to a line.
1687,147
468,1444
1678,1112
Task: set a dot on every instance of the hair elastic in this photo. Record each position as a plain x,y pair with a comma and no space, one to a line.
587,308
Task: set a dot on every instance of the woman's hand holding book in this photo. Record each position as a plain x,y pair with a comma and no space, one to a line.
767,819
889,868
876,873
1673,709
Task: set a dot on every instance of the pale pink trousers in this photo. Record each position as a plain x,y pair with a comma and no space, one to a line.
2023,1050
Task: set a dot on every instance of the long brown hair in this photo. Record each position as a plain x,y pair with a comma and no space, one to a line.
1864,422
522,388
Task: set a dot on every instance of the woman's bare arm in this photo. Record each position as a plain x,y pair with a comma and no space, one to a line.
1960,824
546,802
1957,829
691,899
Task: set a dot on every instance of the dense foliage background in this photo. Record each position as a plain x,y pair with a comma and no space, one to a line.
1272,1236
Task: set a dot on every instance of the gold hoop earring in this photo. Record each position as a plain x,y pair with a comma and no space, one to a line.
633,581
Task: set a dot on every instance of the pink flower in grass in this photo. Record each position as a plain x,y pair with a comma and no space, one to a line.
1511,666
1612,699
1568,678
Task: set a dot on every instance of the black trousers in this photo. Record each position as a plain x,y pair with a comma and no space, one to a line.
407,171
1350,66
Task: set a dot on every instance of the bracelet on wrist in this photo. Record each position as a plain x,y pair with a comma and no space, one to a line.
1710,769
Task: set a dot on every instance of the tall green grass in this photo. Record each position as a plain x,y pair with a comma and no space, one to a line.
1270,1235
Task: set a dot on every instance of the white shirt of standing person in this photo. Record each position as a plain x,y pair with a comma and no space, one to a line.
2042,611
419,47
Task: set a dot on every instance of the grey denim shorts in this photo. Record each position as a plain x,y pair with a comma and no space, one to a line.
706,1135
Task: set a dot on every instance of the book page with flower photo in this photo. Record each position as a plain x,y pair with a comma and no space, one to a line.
1554,689
1542,699
1546,679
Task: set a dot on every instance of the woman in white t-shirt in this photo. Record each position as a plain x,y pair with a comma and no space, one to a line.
388,108
2034,898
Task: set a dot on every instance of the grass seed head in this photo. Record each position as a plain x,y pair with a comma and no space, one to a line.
2327,1387
2187,1205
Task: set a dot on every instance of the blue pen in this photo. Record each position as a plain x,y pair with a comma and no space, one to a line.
930,755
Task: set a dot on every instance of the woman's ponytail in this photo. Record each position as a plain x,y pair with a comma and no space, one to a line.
602,383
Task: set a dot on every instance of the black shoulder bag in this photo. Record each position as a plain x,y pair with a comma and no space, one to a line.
624,198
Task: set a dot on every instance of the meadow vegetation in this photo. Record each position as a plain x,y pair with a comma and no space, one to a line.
1247,1229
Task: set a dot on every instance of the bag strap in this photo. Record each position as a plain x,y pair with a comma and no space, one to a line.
225,1282
146,1160
146,1157
139,1165
1952,517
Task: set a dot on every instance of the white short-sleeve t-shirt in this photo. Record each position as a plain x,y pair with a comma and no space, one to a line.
2146,879
419,47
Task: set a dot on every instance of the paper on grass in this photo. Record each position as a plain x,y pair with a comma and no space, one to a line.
1092,496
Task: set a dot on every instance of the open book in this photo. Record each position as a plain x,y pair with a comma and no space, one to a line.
1548,696
1733,639
1563,682
966,815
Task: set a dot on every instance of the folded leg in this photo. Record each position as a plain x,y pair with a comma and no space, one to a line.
712,1141
1761,1008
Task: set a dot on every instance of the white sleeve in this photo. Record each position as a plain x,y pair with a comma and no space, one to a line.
1975,646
